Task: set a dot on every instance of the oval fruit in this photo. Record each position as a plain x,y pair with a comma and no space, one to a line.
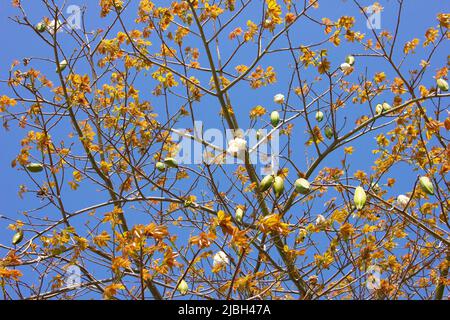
266,183
35,167
171,162
161,166
379,109
62,66
183,287
386,106
319,116
278,186
359,198
302,186
442,84
328,132
426,185
17,238
275,118
239,214
350,60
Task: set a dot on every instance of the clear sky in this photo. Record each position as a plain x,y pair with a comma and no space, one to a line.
18,43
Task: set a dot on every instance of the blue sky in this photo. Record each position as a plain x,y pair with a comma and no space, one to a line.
19,43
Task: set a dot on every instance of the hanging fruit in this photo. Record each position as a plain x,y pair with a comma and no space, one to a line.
442,84
278,186
359,198
386,106
350,60
183,287
319,116
379,109
161,166
171,162
329,132
275,118
426,185
266,183
35,167
302,186
17,238
239,214
62,66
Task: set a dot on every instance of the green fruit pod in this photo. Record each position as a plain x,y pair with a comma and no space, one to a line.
319,116
426,185
266,183
442,84
386,106
278,186
171,162
161,166
239,214
379,109
329,132
40,27
183,287
17,238
35,167
350,60
62,66
275,118
359,198
302,186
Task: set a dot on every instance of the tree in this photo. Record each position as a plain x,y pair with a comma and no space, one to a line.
325,218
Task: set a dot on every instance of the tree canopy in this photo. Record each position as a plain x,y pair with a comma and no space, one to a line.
233,149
